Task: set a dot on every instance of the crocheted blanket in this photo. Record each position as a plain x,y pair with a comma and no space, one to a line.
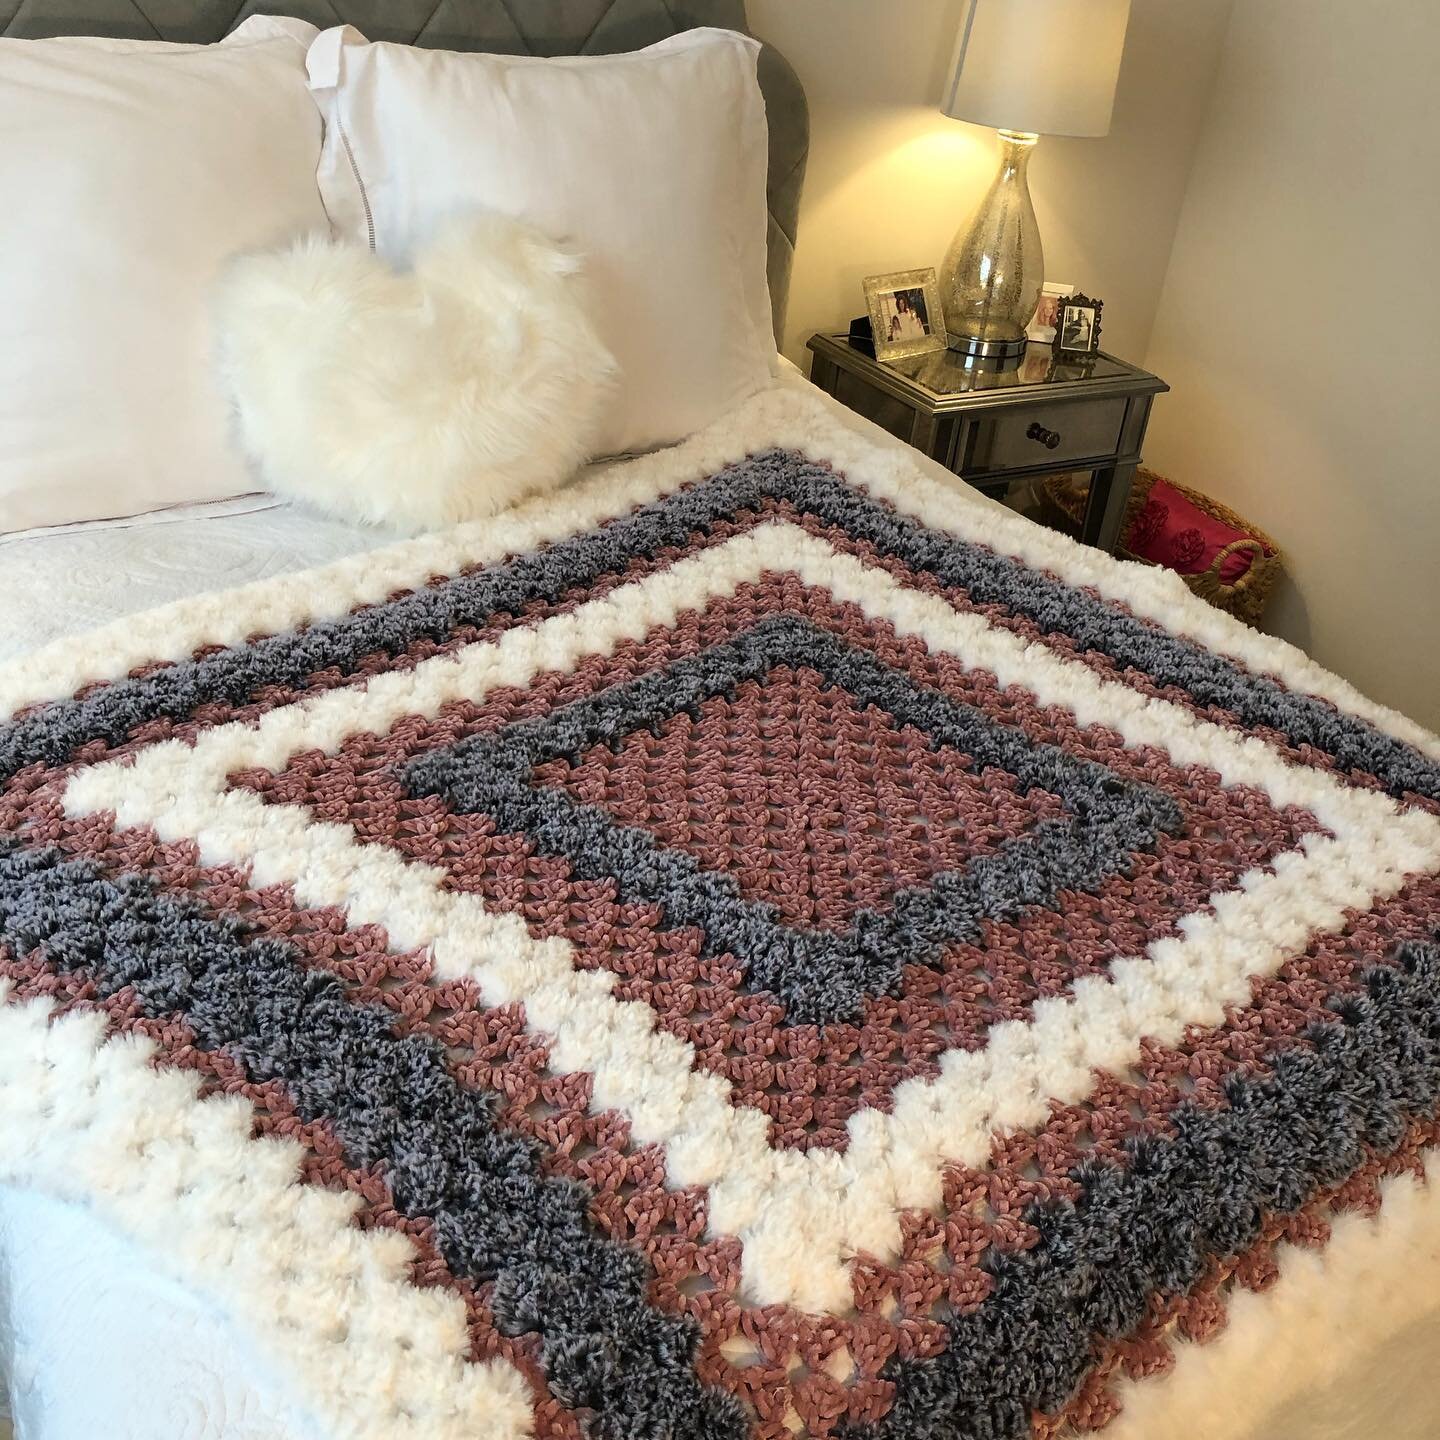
761,946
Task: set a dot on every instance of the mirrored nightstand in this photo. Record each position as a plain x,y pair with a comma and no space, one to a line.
993,428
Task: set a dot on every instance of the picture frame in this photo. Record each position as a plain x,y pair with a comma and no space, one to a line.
1078,332
1042,326
906,317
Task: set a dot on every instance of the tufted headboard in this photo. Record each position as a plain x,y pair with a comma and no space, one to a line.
536,27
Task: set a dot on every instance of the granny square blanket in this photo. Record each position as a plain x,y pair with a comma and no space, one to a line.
760,945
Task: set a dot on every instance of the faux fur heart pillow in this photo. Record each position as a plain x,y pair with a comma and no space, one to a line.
417,399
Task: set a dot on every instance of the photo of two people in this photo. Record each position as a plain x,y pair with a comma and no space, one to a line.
905,316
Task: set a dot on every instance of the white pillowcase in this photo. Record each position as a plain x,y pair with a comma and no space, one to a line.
420,399
131,171
652,163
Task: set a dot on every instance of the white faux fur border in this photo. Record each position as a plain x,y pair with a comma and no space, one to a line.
788,414
372,1357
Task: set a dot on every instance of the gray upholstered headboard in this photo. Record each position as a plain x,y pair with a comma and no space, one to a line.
537,27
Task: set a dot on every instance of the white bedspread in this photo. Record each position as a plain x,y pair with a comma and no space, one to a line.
62,581
100,1346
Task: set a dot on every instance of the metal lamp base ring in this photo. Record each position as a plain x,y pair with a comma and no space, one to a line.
992,350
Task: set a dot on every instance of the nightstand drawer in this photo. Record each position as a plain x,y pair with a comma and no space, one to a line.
991,427
1047,435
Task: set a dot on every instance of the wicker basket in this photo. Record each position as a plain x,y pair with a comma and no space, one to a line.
1246,598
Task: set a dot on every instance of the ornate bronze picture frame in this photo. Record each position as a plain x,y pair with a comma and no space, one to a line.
1078,332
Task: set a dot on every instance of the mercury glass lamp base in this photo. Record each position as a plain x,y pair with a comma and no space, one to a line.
993,350
992,274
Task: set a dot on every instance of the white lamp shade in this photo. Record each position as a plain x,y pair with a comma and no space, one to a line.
1044,66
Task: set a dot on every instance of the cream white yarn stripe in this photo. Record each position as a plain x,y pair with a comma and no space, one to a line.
369,1355
800,1215
789,414
270,606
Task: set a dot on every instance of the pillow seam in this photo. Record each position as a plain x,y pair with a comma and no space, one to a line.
359,182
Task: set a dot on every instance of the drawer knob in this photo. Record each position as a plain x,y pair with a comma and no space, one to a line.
1048,438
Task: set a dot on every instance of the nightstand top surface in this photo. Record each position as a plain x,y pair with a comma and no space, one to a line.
941,380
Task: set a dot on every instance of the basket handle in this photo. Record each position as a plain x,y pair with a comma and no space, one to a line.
1233,548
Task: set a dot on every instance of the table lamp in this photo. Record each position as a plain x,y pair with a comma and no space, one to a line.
1029,68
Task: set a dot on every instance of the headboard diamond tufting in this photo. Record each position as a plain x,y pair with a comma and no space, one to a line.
536,27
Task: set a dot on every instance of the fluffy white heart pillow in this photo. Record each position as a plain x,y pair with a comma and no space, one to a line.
417,399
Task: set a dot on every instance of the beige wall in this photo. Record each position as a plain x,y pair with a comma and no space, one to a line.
1288,152
1300,326
891,179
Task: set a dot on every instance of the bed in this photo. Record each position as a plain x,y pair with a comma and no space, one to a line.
892,1198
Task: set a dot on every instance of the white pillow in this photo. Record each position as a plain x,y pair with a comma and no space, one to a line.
419,399
130,172
652,163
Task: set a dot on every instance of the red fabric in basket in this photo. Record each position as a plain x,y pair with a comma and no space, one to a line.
1172,531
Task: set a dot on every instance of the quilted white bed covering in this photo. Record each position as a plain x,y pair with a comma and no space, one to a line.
95,1344
98,1345
62,581
59,582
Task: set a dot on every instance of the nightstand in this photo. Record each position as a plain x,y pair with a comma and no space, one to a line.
995,427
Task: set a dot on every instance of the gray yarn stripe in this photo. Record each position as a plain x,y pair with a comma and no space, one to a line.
234,675
1154,1224
820,976
1148,1226
392,1102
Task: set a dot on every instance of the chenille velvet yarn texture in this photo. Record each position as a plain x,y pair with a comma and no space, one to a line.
756,944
